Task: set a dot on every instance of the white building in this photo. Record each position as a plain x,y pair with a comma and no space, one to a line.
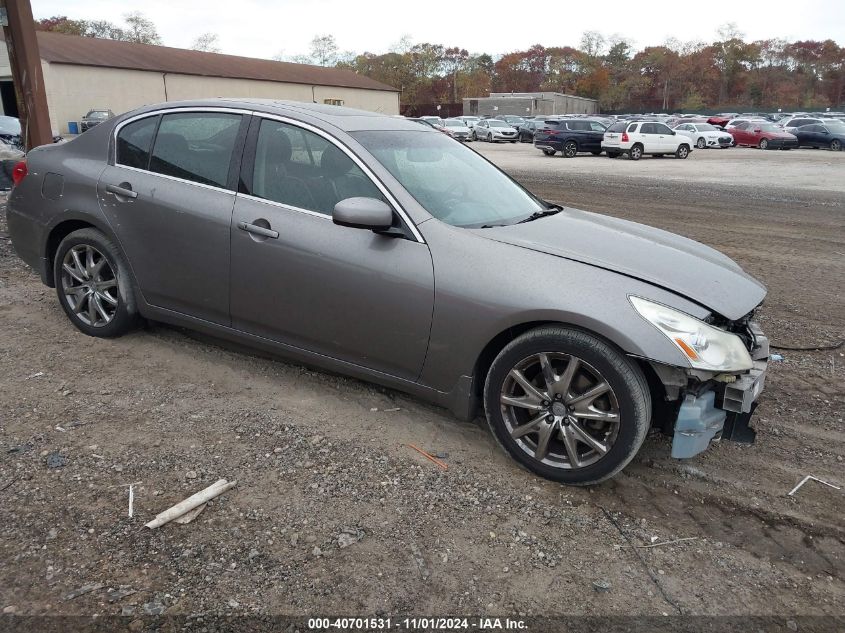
83,73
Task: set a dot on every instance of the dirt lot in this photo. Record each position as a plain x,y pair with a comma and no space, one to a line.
316,454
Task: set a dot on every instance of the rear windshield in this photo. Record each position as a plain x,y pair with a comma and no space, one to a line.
619,126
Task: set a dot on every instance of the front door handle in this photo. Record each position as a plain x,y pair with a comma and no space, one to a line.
258,230
124,190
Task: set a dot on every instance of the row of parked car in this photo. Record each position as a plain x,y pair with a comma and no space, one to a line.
638,135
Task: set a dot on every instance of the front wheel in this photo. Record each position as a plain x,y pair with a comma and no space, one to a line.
93,284
701,143
836,145
567,405
683,152
489,138
764,144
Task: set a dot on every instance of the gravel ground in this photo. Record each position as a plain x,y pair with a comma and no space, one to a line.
333,513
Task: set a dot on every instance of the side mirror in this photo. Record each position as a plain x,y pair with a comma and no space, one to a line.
363,213
757,131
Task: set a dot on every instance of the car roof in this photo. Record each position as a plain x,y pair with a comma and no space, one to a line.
343,118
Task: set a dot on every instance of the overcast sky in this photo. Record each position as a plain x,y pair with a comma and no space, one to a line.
263,28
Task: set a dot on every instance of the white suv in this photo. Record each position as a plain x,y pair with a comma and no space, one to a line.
636,138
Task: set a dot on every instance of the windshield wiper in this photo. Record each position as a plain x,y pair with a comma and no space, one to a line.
553,208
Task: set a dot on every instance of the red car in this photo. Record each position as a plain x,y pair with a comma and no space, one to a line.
720,120
762,135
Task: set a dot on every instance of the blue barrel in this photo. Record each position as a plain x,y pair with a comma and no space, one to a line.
73,127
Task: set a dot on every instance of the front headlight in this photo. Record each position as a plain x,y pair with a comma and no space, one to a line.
705,346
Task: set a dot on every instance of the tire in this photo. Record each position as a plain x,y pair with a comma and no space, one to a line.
598,153
103,319
613,154
474,137
836,145
549,152
627,398
682,152
489,138
636,152
764,143
570,149
701,143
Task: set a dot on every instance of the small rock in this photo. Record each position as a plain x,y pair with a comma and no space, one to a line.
10,609
601,585
233,604
136,625
792,625
153,608
349,536
191,474
317,551
127,610
310,539
277,450
52,534
55,460
294,539
253,553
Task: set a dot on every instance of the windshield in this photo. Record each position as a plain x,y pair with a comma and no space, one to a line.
450,181
454,123
834,124
766,127
498,123
706,127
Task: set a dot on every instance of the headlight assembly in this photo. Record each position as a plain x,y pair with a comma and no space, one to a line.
704,346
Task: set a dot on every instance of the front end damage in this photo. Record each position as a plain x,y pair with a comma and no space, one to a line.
699,406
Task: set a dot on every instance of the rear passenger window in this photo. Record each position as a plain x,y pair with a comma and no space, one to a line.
196,146
633,128
133,143
302,169
648,128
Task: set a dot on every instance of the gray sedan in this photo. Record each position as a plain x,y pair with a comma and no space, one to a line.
382,249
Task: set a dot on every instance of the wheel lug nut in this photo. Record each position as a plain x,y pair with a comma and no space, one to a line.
550,418
545,403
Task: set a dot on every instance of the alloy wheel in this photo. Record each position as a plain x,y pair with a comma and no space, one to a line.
764,144
560,410
836,145
570,149
701,144
89,285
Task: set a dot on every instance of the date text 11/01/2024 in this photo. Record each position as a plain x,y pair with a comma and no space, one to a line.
416,624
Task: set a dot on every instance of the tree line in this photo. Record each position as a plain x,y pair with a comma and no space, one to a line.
728,73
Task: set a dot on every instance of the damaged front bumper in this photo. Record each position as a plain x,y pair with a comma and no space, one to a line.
717,406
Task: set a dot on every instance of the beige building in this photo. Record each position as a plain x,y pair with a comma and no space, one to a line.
82,73
529,104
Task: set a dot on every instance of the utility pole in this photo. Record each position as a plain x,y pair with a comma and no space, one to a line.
19,30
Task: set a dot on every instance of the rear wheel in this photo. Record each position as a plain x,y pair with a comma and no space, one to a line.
93,284
683,152
701,143
636,152
549,152
764,143
598,153
570,149
836,145
567,405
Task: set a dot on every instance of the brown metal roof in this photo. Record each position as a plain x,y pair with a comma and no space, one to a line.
89,51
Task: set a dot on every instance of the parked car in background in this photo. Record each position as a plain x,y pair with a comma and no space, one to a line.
636,138
383,255
457,129
721,120
829,134
493,130
526,130
95,117
569,136
704,135
764,135
469,121
10,133
797,121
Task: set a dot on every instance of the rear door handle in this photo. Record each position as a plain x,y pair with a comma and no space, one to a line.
123,192
258,230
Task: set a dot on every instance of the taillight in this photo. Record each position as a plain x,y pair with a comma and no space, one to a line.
625,137
19,172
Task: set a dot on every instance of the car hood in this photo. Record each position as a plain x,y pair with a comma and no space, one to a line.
684,266
786,135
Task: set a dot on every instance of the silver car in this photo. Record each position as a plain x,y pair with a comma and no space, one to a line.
493,131
380,248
